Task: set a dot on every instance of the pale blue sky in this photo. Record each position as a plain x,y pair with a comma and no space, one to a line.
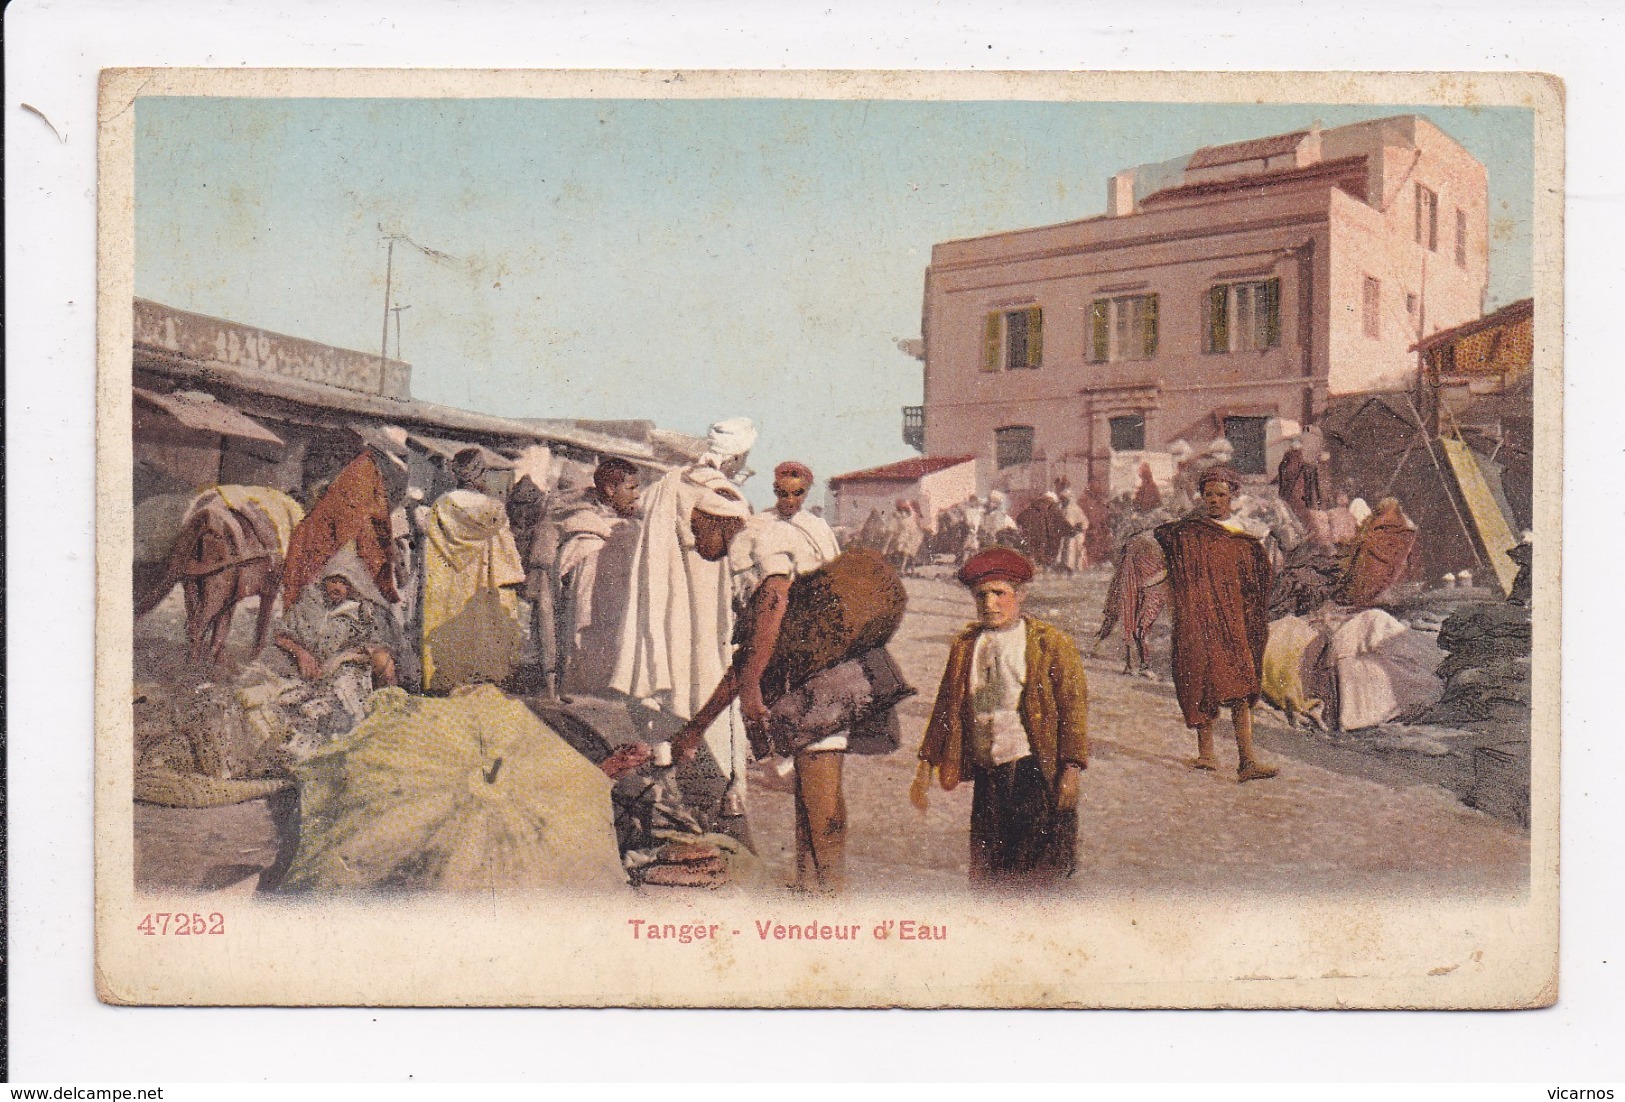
677,260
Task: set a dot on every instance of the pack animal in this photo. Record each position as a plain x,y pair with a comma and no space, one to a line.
1138,592
222,556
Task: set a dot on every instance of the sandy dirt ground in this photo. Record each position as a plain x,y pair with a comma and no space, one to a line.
1148,823
1336,819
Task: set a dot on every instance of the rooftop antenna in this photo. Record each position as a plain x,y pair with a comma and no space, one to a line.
389,272
396,310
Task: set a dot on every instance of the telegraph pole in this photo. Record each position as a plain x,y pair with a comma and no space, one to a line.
389,271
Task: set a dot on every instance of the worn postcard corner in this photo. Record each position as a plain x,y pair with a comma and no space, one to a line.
828,539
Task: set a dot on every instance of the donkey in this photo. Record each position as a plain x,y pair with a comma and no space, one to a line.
222,556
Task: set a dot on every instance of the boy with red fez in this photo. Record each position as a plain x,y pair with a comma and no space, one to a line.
1012,716
1219,583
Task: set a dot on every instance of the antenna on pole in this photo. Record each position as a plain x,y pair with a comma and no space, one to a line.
436,255
396,310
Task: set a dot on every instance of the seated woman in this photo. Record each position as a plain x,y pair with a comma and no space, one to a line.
340,640
341,621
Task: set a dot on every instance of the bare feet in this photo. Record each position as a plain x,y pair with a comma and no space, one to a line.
1207,765
550,690
1252,771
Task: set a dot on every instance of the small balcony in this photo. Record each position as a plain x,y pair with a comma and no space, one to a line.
914,427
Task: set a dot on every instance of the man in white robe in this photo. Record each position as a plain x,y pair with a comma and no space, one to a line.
676,640
594,535
786,540
1074,548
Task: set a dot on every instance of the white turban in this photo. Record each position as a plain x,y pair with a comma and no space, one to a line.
718,503
346,563
732,437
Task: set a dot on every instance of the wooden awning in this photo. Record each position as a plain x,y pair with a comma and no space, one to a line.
202,412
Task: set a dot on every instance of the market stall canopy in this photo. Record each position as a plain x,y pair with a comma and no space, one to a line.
202,412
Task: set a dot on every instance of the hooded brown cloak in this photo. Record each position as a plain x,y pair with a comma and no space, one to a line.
355,509
1380,554
1043,527
1292,480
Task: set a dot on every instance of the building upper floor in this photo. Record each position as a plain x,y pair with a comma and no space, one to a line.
1326,253
1403,167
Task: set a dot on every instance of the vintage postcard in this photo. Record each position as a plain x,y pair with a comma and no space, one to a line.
828,539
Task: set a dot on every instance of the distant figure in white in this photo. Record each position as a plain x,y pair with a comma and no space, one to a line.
676,640
1074,548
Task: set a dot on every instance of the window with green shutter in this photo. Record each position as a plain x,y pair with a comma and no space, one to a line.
992,334
1035,337
1242,317
1123,328
1013,340
1100,337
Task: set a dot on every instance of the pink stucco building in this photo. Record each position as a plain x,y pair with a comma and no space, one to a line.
1231,294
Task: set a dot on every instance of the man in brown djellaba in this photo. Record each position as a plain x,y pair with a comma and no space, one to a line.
1219,582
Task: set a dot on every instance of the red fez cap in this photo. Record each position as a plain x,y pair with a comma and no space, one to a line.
997,564
1219,474
790,468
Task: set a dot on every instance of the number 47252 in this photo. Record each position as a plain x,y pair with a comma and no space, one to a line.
182,924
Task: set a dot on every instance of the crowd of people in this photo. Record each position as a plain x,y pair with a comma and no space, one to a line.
477,587
678,596
1010,715
1331,580
1053,530
670,597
